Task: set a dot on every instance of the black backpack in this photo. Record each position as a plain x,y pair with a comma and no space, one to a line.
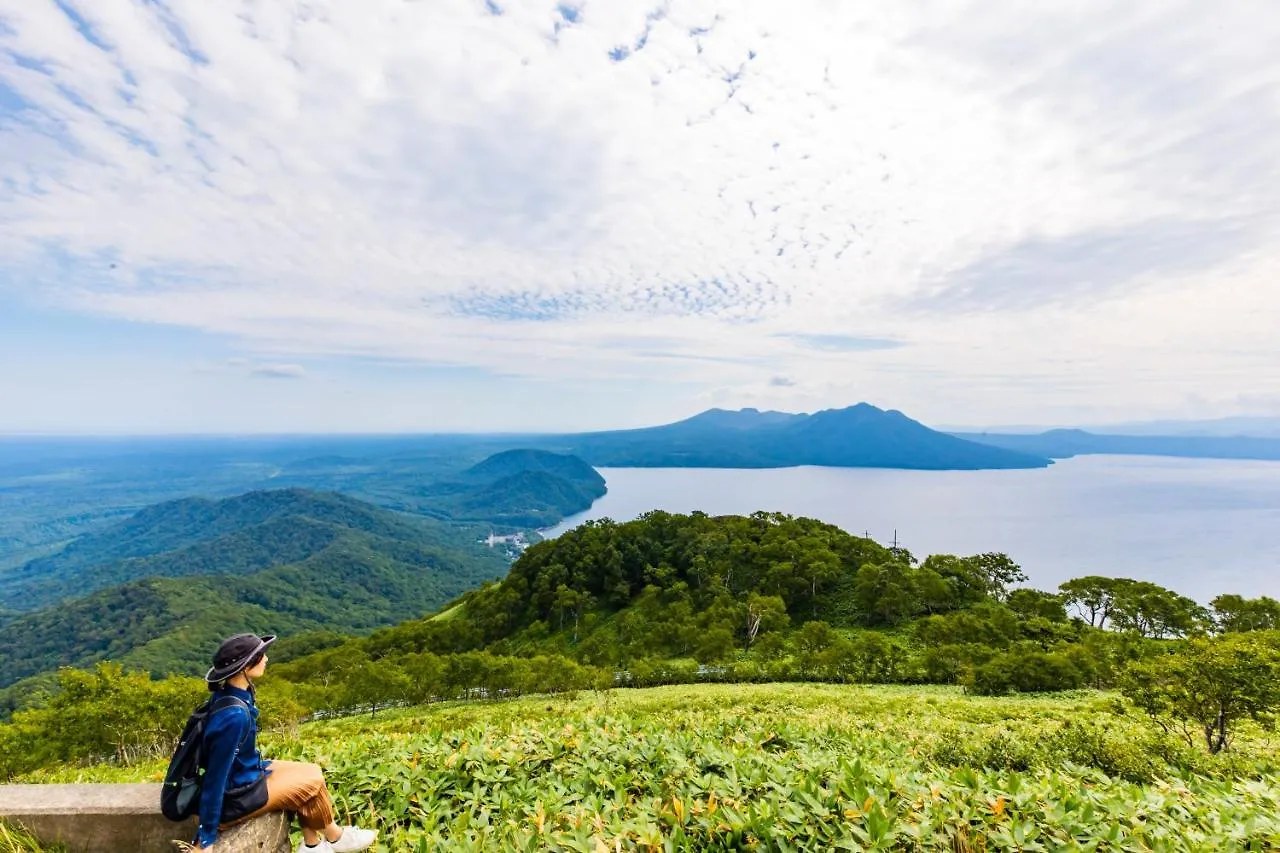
180,796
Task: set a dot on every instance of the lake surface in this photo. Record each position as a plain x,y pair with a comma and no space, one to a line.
1200,526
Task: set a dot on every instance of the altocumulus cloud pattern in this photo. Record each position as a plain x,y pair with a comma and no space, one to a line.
801,198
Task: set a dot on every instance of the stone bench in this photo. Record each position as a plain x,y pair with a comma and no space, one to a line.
124,819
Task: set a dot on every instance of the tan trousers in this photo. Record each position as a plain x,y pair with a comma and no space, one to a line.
297,787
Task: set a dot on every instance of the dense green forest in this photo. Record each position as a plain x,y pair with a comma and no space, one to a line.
775,597
287,559
355,584
166,583
54,492
516,488
238,535
198,536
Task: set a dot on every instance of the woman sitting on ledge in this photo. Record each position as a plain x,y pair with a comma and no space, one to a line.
238,784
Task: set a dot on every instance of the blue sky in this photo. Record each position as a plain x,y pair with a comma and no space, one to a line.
469,215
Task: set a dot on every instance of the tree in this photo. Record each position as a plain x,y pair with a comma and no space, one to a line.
769,647
1153,611
1093,597
885,593
975,579
999,571
1025,670
838,662
964,582
716,644
1030,603
818,566
1131,605
571,603
425,672
377,684
933,591
765,613
105,713
1209,685
876,659
1237,613
815,637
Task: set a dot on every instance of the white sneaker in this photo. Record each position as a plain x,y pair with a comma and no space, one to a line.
322,847
353,838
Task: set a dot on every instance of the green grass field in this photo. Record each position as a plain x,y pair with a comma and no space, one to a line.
784,767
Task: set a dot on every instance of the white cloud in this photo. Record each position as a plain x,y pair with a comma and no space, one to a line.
278,371
1064,207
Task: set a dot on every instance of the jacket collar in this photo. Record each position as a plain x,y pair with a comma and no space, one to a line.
245,696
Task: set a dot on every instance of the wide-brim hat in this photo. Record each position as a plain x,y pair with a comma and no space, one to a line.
234,655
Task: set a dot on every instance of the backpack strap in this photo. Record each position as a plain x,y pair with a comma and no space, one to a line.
227,702
218,705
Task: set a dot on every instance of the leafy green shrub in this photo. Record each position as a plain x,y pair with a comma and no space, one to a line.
104,714
1115,751
1207,686
1025,670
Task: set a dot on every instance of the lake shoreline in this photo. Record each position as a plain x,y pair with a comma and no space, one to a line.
1164,519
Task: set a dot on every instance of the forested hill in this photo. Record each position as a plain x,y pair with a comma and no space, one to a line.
54,491
772,597
512,462
236,535
275,562
668,582
356,584
860,436
519,488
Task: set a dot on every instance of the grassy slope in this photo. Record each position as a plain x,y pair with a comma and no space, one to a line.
762,766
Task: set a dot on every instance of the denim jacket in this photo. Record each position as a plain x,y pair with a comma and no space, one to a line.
231,758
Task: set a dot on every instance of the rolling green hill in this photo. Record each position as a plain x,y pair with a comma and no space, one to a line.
53,492
519,488
197,536
511,462
528,499
357,583
287,561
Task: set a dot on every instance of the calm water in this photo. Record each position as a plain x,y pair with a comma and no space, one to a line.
1200,526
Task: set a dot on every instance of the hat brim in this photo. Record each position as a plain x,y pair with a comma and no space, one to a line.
216,674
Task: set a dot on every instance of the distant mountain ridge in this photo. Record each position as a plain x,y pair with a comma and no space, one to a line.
860,436
1234,426
1066,443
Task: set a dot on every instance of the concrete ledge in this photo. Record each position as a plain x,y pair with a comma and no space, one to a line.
124,819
